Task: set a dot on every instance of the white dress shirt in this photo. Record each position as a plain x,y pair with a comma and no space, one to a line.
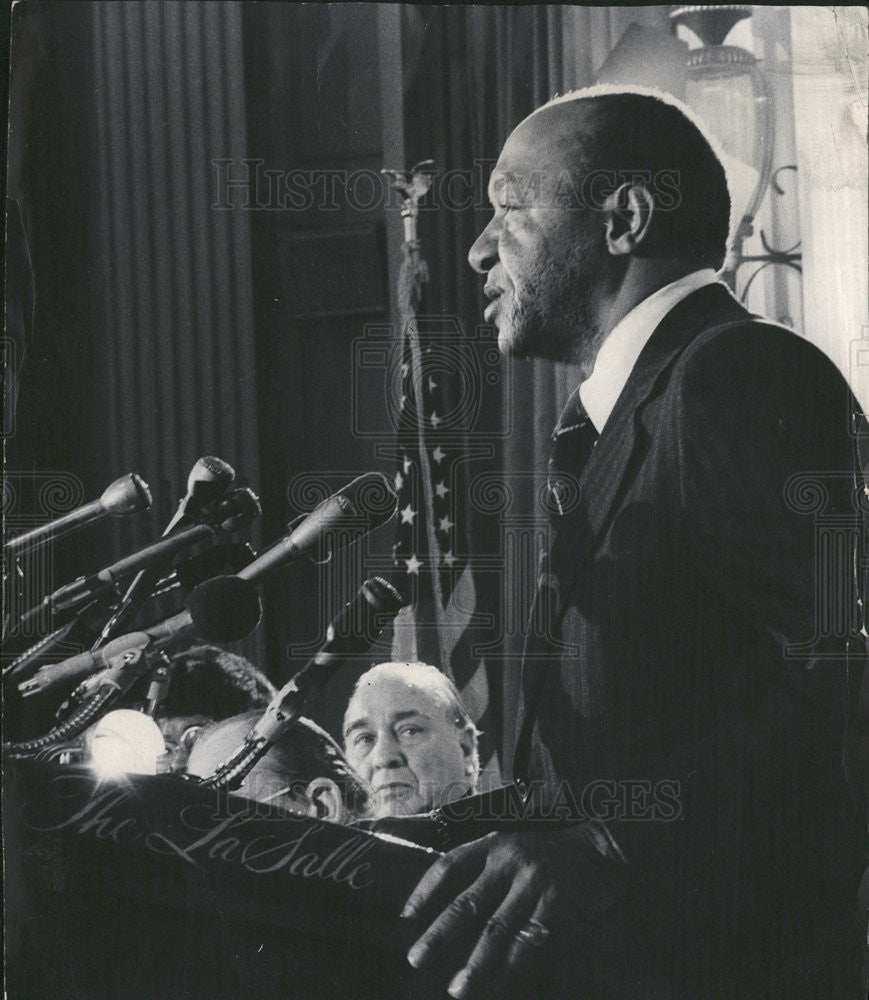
619,352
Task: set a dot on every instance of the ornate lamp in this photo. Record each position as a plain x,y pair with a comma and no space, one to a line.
726,86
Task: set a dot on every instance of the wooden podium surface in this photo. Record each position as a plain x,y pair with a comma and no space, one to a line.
155,888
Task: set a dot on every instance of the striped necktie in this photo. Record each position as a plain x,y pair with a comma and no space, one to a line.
573,440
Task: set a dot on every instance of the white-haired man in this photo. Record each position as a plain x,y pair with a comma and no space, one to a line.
409,735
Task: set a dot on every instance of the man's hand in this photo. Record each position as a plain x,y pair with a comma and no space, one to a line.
497,903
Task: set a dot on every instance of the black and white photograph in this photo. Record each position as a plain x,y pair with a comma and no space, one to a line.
435,501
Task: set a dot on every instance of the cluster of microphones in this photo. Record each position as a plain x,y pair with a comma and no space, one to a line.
97,611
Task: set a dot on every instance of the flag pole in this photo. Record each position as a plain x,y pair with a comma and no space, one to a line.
411,186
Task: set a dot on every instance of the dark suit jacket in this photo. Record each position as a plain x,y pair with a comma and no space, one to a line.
701,604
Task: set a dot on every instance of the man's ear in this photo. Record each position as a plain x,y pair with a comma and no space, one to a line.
629,211
325,800
466,741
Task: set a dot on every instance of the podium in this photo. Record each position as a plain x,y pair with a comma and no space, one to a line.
153,887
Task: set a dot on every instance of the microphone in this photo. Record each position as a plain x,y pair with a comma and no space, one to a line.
72,595
223,609
237,511
351,633
207,481
80,600
368,502
127,495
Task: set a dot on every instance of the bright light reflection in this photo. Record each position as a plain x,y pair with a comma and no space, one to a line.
125,742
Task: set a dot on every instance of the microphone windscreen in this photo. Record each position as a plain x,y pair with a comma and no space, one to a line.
358,624
210,470
239,509
373,498
384,595
224,609
127,495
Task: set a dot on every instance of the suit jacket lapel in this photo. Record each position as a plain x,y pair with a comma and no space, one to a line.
605,471
601,479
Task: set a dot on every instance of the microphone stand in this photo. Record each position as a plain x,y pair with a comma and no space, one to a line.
123,671
232,772
376,598
74,631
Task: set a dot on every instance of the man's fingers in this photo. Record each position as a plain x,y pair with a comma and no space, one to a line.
459,921
447,877
496,941
533,936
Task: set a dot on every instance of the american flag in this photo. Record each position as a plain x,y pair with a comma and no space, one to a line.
431,554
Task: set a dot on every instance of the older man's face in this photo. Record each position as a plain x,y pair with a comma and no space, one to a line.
400,739
543,252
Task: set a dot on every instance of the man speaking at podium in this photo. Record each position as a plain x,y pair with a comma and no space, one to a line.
683,598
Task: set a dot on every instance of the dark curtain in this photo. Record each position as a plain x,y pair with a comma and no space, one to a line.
313,119
172,270
46,351
137,343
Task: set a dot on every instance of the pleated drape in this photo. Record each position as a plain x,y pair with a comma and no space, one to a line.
173,286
